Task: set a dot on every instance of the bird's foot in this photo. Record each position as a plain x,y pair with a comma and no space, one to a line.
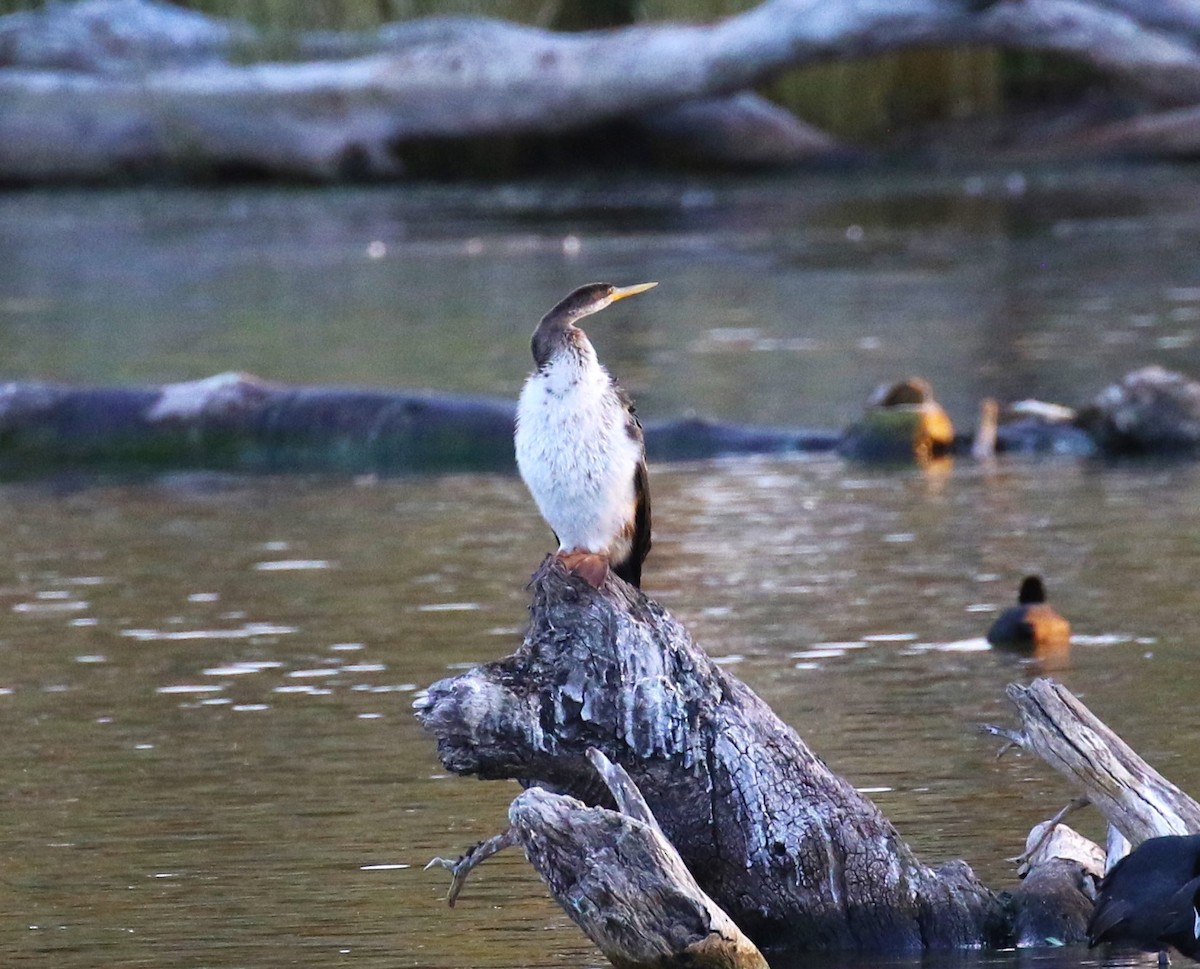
592,567
474,857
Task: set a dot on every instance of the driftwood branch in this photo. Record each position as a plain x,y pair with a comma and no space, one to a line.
471,859
116,86
789,849
621,881
1134,797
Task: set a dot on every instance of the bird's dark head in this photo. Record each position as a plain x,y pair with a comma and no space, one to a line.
1032,590
581,302
590,299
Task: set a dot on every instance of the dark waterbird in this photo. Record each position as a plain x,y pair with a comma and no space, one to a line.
1032,626
1150,898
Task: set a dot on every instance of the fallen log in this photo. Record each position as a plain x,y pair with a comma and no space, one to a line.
111,88
238,422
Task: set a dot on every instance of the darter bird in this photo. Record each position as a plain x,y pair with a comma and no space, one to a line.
579,445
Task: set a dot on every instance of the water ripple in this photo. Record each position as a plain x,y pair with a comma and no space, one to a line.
242,668
246,631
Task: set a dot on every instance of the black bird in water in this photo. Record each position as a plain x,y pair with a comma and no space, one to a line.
1150,898
1031,626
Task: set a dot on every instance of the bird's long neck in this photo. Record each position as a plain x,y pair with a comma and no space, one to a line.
553,338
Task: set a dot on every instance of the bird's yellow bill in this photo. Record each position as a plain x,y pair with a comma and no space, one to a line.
622,291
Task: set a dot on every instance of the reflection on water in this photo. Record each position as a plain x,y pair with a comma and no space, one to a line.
203,755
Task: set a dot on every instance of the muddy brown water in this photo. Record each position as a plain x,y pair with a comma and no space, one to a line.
206,680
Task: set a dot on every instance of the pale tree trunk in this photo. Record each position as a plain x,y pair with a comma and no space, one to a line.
128,86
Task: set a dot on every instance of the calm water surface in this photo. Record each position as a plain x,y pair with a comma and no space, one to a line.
206,681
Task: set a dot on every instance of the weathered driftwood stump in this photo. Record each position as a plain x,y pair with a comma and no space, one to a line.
728,822
787,848
1134,798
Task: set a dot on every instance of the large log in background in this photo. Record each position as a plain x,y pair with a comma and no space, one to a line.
238,422
107,88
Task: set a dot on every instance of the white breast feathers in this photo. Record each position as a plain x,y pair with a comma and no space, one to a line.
575,453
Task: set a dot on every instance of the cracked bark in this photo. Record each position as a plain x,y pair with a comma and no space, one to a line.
787,848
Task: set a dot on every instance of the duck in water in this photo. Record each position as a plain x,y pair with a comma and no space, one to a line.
1032,626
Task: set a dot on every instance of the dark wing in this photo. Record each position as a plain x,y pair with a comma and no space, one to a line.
1108,917
1011,630
1148,898
631,569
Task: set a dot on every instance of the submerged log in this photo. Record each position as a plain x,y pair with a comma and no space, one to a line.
1151,410
107,88
790,850
237,422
